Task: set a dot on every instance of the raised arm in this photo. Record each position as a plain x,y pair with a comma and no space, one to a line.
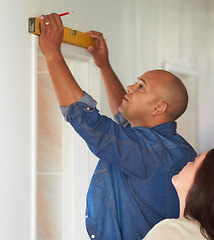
66,88
114,89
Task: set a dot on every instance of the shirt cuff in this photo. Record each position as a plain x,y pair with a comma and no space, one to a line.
87,99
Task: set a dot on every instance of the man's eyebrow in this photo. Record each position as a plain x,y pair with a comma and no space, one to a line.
141,79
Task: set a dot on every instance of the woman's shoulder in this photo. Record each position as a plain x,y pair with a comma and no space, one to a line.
178,229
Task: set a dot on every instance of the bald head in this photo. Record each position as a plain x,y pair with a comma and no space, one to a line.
171,90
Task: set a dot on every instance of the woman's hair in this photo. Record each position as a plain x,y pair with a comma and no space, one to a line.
200,199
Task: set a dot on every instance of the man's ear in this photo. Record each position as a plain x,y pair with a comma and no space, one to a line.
160,108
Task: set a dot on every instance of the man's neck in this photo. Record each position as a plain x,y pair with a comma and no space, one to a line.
149,124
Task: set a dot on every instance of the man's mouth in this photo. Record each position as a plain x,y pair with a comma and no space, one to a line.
125,99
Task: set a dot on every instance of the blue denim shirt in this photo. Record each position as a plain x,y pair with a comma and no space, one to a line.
131,188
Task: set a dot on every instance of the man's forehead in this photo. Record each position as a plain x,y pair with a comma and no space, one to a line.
152,80
147,77
156,77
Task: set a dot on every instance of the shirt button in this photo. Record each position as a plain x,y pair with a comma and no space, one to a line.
86,216
92,236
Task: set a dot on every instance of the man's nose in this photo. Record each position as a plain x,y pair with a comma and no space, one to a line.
132,88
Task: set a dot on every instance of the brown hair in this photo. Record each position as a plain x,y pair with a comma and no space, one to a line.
200,199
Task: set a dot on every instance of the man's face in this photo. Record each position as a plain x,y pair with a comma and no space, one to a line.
138,103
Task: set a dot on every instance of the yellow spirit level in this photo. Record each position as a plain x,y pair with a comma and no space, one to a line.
71,36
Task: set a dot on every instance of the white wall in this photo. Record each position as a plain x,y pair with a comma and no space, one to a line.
15,120
141,35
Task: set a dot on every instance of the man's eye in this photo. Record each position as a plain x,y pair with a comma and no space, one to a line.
140,86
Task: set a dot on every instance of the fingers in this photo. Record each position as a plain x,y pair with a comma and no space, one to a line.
56,19
101,44
44,21
51,34
96,35
51,20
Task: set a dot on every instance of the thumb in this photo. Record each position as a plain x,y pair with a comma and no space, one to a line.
90,49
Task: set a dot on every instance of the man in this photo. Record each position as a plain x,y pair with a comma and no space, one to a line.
131,188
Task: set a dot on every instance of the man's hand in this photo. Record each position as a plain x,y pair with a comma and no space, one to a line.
67,89
114,88
51,35
100,53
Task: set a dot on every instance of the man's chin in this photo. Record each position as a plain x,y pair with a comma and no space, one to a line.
121,110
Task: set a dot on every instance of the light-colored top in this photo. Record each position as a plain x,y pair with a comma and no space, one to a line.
175,229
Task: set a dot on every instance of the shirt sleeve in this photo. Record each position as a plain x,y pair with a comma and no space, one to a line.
126,148
87,99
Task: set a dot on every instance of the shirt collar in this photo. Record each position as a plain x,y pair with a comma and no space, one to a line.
168,128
